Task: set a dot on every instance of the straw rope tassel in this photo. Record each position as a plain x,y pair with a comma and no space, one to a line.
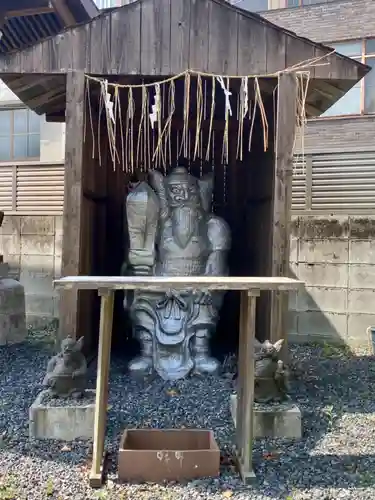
91,118
199,115
212,113
159,150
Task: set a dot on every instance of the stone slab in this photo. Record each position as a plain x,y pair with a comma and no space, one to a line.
12,312
275,421
4,270
64,423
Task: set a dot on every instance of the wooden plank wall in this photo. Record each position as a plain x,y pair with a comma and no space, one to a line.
281,217
164,37
72,222
84,215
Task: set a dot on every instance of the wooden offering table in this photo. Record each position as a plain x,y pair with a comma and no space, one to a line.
250,287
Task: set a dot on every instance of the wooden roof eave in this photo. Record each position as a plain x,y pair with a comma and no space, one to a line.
101,47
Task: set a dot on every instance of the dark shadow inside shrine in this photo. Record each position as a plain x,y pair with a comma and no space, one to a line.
242,194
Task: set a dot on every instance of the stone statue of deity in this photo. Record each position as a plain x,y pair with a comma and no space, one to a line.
67,371
172,232
271,377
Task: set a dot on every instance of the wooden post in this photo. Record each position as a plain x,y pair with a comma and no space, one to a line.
73,195
245,391
101,402
282,198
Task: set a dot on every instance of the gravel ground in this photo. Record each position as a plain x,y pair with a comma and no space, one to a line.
334,460
88,398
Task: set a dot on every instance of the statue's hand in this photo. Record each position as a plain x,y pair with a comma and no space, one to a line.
124,269
142,271
202,297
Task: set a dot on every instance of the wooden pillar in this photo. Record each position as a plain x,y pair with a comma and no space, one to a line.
282,198
101,401
73,199
245,388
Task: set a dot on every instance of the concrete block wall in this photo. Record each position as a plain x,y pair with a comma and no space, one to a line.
335,256
31,245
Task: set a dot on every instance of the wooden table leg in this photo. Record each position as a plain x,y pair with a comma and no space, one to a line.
245,390
101,401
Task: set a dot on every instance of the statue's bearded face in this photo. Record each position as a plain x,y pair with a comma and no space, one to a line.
185,204
183,193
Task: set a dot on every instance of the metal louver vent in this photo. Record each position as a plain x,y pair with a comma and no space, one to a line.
40,188
32,189
6,183
334,182
342,181
299,184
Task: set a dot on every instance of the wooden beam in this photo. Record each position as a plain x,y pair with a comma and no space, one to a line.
64,12
46,97
24,83
90,8
19,5
282,198
32,11
55,117
74,153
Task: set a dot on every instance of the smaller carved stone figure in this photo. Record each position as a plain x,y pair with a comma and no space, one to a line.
271,377
66,372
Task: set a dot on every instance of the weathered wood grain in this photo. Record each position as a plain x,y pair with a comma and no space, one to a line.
276,50
180,35
101,44
285,133
199,35
81,53
101,401
298,51
74,154
126,40
223,37
252,47
178,282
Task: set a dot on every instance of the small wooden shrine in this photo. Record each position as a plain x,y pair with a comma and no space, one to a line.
151,83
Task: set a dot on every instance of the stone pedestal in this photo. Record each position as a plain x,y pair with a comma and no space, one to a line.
12,309
65,423
274,420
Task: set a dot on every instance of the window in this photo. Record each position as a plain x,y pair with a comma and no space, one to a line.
107,4
361,98
263,5
19,134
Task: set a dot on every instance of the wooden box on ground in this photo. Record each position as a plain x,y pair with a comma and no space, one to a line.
157,455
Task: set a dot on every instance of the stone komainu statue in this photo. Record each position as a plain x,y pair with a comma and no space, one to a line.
271,376
67,371
172,232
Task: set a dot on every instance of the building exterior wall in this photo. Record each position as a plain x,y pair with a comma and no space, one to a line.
333,22
333,250
328,22
339,134
31,235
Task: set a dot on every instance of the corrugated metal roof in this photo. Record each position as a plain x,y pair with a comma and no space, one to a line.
19,32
